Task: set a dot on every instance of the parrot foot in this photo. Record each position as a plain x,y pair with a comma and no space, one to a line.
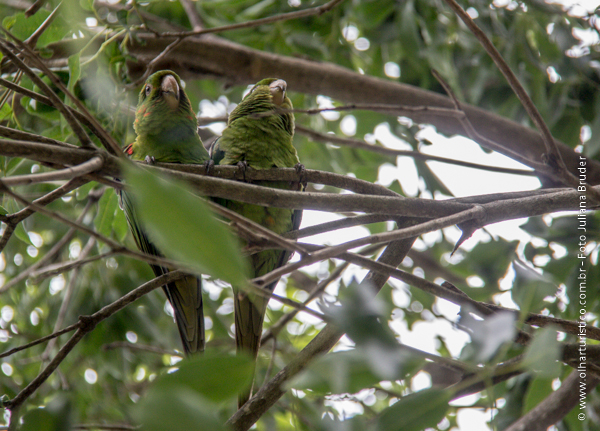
209,166
301,171
242,168
150,160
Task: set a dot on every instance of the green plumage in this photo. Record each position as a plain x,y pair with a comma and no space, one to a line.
262,142
166,129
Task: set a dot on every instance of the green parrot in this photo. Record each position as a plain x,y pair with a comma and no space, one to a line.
166,129
260,142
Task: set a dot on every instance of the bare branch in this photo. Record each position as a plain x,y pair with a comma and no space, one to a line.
14,219
64,306
192,14
318,10
85,325
84,139
91,165
49,102
356,143
47,257
61,267
553,157
7,132
152,65
271,391
112,146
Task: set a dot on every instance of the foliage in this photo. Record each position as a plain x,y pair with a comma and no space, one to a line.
126,371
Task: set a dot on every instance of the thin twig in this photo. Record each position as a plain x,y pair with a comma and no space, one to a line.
112,146
115,246
47,257
32,40
7,132
356,143
274,329
107,310
382,238
61,267
343,223
64,306
87,324
49,102
84,139
153,63
318,10
553,157
14,219
263,231
91,165
194,17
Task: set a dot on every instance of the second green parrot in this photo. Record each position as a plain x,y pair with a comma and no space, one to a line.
166,129
259,135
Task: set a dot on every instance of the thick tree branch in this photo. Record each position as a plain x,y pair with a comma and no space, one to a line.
236,64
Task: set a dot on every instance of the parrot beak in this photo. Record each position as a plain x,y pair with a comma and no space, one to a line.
170,91
278,91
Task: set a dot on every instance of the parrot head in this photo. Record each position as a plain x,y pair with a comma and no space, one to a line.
268,95
161,103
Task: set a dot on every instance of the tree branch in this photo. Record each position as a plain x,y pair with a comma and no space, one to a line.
555,406
271,391
91,165
417,155
237,64
318,10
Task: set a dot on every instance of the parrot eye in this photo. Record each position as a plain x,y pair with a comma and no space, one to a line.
148,89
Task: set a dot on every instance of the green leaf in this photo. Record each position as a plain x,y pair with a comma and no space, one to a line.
83,191
23,27
5,110
184,228
351,371
216,377
538,390
487,335
530,288
415,412
74,71
119,226
3,210
107,207
178,409
22,234
56,416
543,353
